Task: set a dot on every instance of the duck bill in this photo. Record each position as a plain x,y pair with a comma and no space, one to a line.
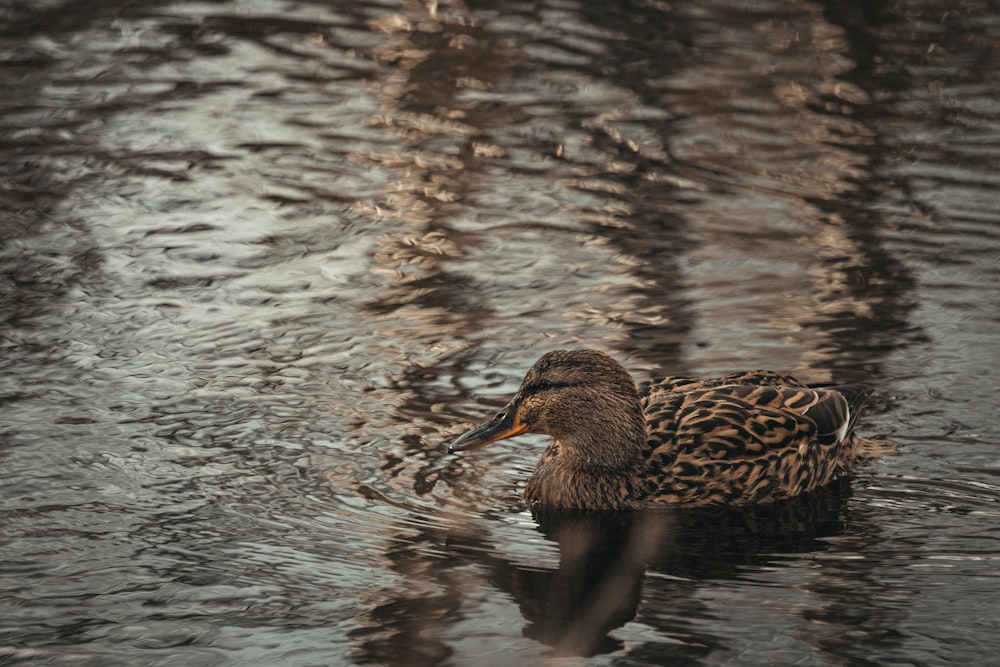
504,425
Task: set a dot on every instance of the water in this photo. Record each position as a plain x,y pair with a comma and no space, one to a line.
261,261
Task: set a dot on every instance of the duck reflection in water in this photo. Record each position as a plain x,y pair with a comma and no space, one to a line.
604,557
720,469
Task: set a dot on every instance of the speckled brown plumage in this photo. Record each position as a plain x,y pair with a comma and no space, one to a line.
753,437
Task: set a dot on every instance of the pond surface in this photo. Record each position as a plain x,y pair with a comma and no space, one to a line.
261,261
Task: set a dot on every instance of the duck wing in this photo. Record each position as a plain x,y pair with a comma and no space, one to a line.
740,443
684,384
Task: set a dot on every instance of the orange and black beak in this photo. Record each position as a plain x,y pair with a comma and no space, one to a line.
504,425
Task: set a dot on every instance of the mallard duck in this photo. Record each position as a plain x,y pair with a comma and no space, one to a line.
752,437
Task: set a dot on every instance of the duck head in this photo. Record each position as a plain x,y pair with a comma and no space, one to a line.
582,398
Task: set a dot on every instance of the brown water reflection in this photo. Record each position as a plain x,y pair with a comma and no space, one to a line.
596,582
260,263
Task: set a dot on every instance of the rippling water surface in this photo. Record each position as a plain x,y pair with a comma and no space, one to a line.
261,260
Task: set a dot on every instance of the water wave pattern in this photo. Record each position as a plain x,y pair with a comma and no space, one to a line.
260,262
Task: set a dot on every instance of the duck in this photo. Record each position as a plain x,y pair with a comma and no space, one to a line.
747,438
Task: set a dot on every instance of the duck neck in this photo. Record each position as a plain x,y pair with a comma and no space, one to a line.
601,471
610,443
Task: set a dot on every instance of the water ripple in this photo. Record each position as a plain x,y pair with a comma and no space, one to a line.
259,267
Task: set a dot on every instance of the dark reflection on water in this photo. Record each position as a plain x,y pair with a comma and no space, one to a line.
259,263
603,559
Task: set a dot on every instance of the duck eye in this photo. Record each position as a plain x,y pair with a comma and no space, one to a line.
545,384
